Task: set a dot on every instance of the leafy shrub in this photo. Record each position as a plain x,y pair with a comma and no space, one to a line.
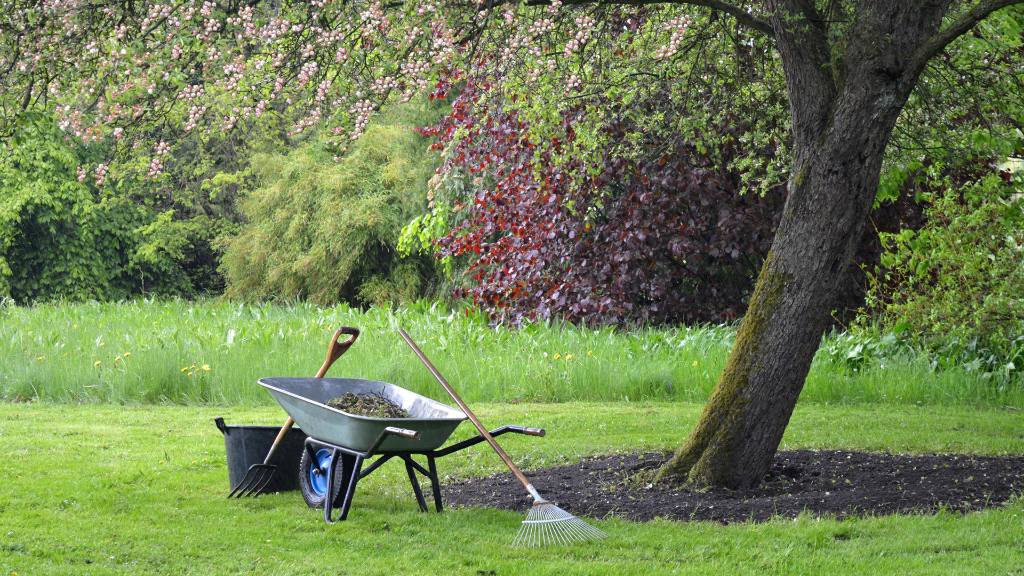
655,227
955,284
326,231
62,236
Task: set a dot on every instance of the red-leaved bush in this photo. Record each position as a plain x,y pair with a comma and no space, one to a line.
666,237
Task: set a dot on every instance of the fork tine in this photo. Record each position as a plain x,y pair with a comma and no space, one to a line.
268,475
255,480
244,483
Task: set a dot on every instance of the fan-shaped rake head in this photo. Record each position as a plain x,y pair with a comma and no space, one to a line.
548,524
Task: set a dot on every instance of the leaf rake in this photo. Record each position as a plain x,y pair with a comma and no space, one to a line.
545,523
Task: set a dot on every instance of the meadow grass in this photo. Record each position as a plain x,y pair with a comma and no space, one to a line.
106,489
204,352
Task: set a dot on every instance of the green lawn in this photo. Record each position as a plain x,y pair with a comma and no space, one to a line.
139,489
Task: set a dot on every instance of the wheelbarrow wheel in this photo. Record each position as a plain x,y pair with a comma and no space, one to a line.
314,486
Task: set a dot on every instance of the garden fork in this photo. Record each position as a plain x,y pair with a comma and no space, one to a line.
259,475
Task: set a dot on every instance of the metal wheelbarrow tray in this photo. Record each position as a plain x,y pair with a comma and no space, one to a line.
339,442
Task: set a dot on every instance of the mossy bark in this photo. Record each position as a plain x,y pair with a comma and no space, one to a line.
840,133
714,439
748,411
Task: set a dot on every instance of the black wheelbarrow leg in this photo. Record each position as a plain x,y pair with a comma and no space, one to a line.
435,484
351,467
351,485
415,483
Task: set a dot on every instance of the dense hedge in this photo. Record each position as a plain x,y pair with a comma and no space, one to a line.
65,236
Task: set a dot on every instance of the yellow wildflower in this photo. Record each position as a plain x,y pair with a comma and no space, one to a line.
185,368
694,362
206,367
557,355
96,363
590,352
568,356
103,343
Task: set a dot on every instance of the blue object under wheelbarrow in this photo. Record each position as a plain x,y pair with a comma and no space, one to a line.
339,443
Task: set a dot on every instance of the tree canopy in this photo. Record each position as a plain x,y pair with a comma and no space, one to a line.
193,65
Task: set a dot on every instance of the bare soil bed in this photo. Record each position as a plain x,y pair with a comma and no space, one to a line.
824,483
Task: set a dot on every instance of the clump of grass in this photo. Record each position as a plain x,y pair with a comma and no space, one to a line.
151,351
213,352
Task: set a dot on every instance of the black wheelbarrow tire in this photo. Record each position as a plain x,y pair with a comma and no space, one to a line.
314,492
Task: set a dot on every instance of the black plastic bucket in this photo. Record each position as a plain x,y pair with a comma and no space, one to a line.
248,445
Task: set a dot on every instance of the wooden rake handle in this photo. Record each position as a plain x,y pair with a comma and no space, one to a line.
472,417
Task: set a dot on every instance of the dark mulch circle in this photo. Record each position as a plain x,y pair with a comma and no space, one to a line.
823,483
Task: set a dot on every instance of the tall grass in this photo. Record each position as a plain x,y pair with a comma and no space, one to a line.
182,352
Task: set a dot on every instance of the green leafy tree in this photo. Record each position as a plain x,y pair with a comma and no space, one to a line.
850,67
66,236
965,107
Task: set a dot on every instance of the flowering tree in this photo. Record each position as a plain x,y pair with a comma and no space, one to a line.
849,66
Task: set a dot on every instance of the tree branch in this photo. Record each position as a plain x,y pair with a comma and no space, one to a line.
945,36
802,41
741,15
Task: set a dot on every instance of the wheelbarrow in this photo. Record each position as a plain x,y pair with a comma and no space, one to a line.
339,443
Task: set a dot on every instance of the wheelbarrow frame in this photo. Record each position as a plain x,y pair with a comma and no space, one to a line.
352,465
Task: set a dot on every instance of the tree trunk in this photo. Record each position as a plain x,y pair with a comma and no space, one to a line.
842,122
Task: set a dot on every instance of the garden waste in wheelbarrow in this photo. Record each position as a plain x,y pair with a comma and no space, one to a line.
339,442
